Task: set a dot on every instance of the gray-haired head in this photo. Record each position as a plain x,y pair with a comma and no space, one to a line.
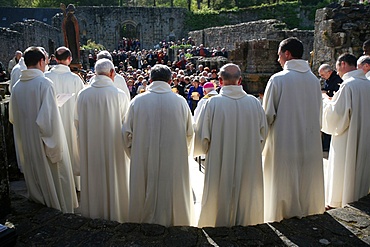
103,66
160,73
104,54
230,74
325,67
363,60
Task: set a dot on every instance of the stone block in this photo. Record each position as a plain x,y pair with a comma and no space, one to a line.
152,229
101,224
45,214
70,221
338,39
349,215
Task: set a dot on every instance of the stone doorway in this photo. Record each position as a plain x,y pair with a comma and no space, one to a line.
129,31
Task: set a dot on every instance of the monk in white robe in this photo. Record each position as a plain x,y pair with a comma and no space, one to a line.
104,167
39,137
119,81
209,91
347,118
293,166
16,73
231,131
158,132
67,84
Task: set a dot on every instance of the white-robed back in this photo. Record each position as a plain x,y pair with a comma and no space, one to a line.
347,118
293,166
41,143
104,166
158,132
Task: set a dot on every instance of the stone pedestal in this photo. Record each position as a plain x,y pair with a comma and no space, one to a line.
4,178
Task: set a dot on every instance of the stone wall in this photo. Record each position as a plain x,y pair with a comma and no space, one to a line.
104,25
339,29
233,35
28,33
253,46
10,42
107,25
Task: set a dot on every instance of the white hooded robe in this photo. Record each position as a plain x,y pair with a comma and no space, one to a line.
158,132
293,166
231,131
347,118
41,143
66,82
100,109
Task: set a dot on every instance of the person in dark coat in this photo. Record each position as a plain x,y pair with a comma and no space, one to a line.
331,85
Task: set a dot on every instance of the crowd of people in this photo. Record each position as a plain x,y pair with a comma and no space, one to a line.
128,55
124,140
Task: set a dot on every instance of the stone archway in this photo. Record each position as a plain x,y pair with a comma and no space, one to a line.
128,30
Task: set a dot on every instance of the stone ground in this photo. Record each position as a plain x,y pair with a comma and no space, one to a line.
37,225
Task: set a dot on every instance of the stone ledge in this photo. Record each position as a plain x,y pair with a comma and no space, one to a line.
39,225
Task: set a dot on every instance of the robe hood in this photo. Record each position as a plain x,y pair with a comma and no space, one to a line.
210,94
233,91
30,74
358,73
22,64
60,69
159,87
297,65
101,81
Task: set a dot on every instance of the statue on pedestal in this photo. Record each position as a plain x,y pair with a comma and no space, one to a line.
71,34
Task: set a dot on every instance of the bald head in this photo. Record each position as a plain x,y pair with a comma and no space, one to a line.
63,55
230,74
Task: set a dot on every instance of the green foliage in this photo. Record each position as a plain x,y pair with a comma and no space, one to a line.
91,45
286,12
204,19
176,47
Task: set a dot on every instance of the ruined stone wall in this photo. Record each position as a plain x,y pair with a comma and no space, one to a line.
339,29
253,46
104,25
233,35
10,42
29,33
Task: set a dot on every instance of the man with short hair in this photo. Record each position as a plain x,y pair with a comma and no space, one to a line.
67,84
231,131
331,85
363,63
158,132
118,81
104,166
16,73
346,118
39,136
293,167
14,61
332,79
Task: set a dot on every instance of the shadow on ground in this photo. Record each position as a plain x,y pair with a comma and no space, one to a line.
38,225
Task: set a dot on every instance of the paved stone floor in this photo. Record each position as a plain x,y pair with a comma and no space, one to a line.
37,225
